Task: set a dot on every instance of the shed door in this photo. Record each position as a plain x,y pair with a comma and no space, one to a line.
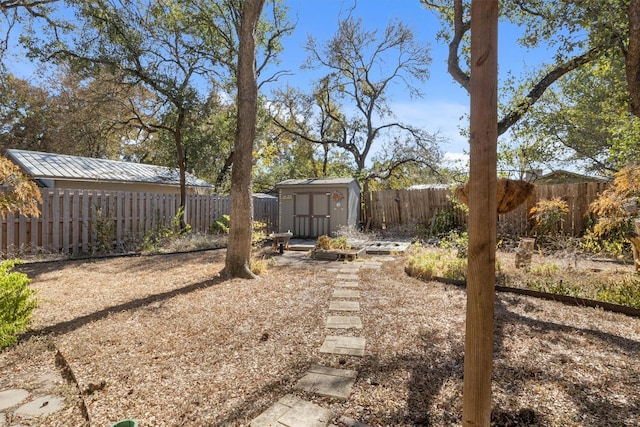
311,214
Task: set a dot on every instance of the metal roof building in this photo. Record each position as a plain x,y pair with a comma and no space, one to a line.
64,171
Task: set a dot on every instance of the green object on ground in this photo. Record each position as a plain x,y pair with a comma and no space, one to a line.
126,423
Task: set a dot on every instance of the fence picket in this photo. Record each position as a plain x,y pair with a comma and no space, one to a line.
389,208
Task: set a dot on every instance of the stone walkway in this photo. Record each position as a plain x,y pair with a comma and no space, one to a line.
290,410
344,308
31,404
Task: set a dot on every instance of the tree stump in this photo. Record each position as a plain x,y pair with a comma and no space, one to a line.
524,252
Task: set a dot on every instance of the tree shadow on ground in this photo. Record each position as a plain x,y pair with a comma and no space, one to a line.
431,371
590,404
78,322
135,262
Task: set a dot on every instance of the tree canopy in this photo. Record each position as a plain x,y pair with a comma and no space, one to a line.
349,106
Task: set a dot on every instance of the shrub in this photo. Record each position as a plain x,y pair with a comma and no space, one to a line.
220,225
258,234
612,218
327,243
18,193
548,215
626,292
163,235
424,264
457,241
258,266
17,302
104,233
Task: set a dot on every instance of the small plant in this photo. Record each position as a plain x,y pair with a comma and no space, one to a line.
421,264
162,235
323,242
104,233
220,225
612,218
626,292
544,270
328,243
555,287
258,266
425,264
457,241
612,245
548,215
17,302
258,234
17,192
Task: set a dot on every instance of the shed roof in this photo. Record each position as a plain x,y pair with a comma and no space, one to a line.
65,167
316,181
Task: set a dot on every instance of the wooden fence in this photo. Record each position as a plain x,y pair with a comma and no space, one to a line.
393,208
76,221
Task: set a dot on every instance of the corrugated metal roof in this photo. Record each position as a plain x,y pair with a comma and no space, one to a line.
430,186
62,166
316,181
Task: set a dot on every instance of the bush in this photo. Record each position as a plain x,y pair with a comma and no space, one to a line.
258,234
325,242
548,215
220,225
424,264
17,302
162,235
626,292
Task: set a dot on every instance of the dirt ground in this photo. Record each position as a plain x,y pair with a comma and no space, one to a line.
163,340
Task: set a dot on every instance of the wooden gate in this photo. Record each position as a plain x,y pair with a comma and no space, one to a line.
311,214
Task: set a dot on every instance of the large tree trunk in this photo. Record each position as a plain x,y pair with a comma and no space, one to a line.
182,166
239,246
633,57
478,356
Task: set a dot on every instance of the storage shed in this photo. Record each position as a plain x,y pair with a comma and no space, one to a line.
315,207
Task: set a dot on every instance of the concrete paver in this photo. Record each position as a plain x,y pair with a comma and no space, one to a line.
371,265
345,293
328,381
43,405
347,277
344,306
350,422
349,346
291,411
9,398
344,322
347,284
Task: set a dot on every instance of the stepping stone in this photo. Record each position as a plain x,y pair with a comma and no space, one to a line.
350,422
347,284
328,381
344,322
372,265
345,293
348,277
291,411
350,346
344,306
44,405
9,398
